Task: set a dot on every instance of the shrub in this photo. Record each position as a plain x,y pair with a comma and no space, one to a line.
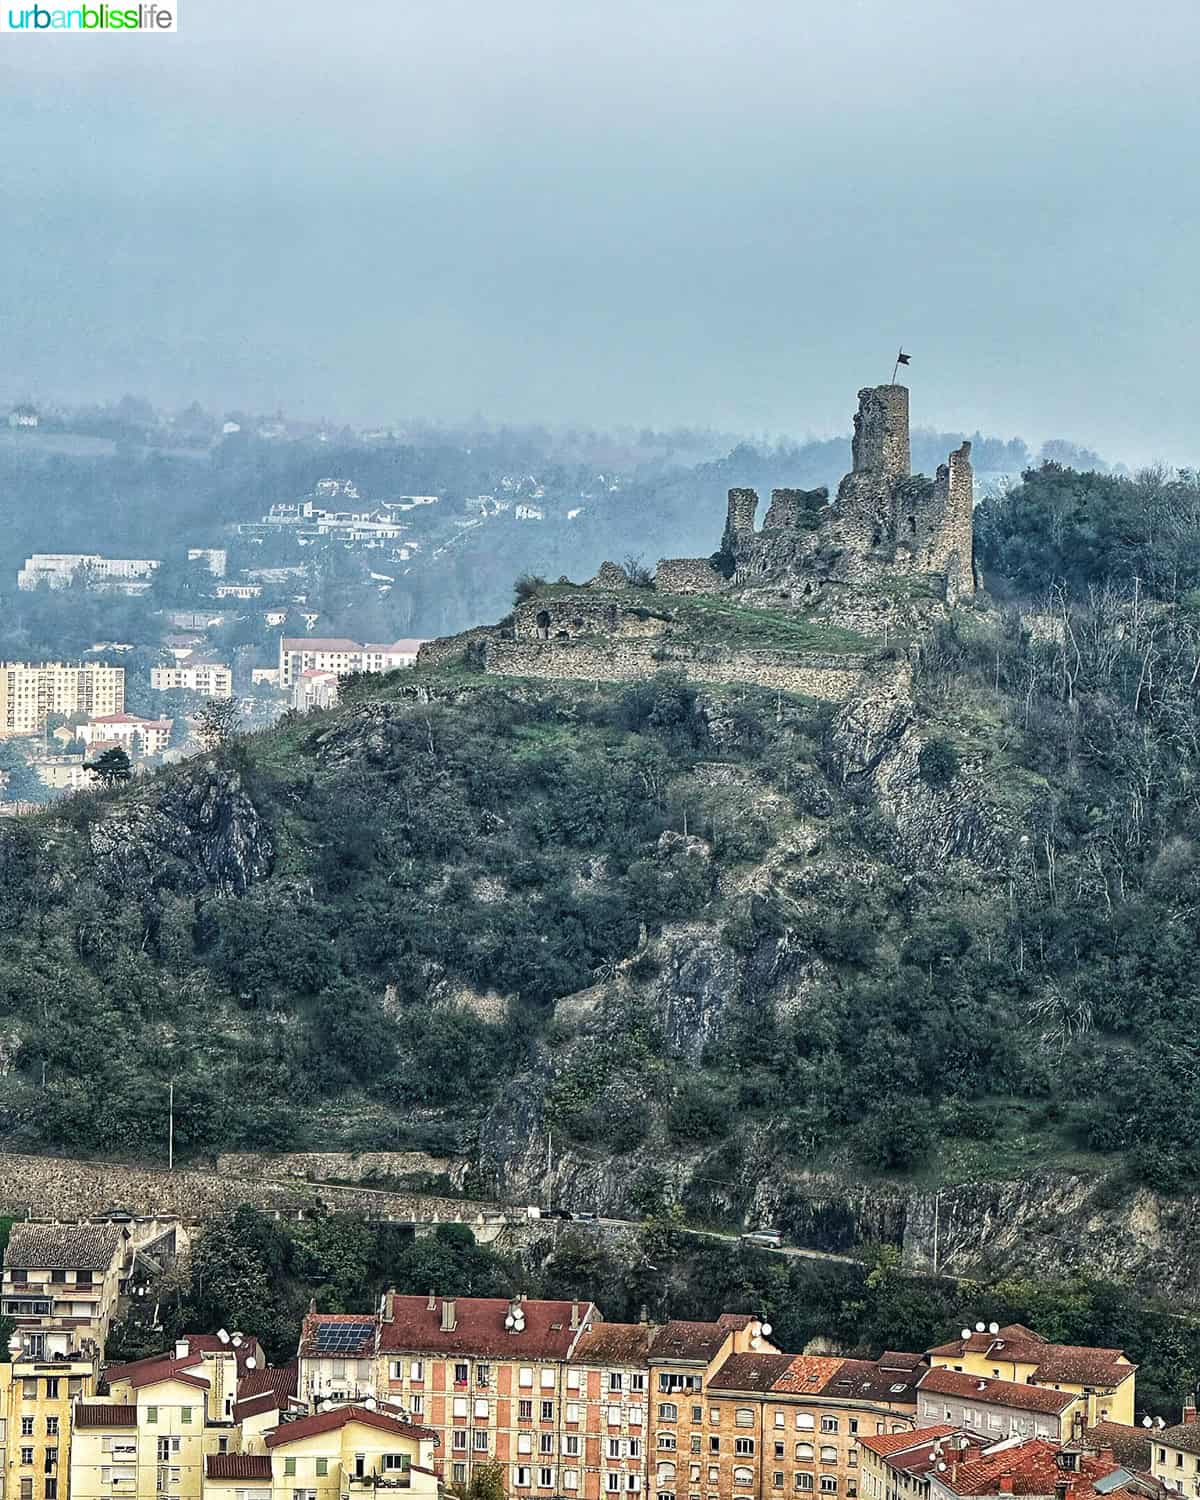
937,764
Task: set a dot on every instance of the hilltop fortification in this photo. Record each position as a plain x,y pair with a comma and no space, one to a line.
802,605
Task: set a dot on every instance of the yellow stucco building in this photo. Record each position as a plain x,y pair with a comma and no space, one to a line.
1103,1380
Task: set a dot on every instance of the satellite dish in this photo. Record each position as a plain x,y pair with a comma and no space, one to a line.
766,1328
993,1328
237,1341
252,1363
1161,1424
941,1466
756,1343
966,1333
1146,1422
222,1335
509,1321
979,1328
369,1403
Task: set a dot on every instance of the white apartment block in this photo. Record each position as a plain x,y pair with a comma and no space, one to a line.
305,653
31,691
138,736
211,679
57,569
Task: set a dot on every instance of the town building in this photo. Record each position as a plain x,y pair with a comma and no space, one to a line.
134,735
340,656
994,1409
789,1424
1176,1454
24,416
195,674
62,773
129,575
31,691
38,1394
62,1283
314,689
1103,1379
351,1450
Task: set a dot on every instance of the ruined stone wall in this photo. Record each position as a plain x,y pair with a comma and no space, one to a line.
449,648
688,575
609,575
579,613
53,1187
339,1166
830,675
790,509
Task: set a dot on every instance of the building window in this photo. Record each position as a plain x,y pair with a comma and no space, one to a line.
50,1490
481,1407
289,1465
522,1476
779,1450
804,1481
743,1476
614,1447
547,1411
572,1413
666,1442
480,1440
186,1413
777,1480
829,1424
697,1414
545,1479
853,1424
546,1442
829,1484
459,1472
483,1376
743,1447
416,1370
780,1420
804,1453
459,1407
26,1426
615,1381
570,1479
637,1381
668,1411
635,1447
804,1421
525,1376
460,1374
612,1482
26,1455
828,1454
322,1467
524,1411
52,1388
524,1443
459,1439
744,1417
416,1405
714,1445
547,1380
571,1445
152,1414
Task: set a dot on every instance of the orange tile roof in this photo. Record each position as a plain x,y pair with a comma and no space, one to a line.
885,1444
991,1392
330,1421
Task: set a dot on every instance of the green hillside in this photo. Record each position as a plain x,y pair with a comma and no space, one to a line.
709,937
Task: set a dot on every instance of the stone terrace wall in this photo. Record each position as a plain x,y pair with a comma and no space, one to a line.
688,575
814,674
53,1187
450,647
338,1166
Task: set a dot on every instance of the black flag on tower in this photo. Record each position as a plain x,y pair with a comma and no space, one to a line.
901,359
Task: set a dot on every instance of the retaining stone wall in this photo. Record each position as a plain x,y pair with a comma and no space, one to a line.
450,647
54,1187
338,1166
688,575
831,676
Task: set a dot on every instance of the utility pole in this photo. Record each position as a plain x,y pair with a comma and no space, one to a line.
171,1127
937,1204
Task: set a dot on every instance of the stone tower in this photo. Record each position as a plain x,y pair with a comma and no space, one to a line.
880,442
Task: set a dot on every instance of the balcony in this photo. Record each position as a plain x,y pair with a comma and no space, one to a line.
393,1479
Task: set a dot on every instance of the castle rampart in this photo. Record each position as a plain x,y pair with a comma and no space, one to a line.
829,675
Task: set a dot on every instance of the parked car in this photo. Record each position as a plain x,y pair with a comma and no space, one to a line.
768,1239
584,1216
556,1213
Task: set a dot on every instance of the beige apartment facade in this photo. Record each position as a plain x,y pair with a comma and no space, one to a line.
61,1285
31,691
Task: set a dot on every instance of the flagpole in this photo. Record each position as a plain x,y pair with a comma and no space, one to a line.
896,366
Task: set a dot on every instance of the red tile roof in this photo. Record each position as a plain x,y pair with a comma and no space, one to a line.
237,1466
1032,1468
98,1414
1076,1363
868,1380
808,1373
751,1372
479,1328
1131,1445
330,1421
1184,1435
687,1341
614,1344
319,643
266,1390
152,1371
897,1444
989,1392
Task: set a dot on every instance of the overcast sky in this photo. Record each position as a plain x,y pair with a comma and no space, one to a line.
604,211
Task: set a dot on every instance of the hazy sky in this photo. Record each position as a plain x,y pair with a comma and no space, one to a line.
616,211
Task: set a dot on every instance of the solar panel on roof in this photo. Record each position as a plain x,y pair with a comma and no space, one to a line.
335,1338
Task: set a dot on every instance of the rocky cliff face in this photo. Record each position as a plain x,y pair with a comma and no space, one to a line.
201,832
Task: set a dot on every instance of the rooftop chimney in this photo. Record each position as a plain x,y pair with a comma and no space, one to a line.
431,1305
182,1351
449,1315
1006,1484
1189,1409
575,1315
389,1305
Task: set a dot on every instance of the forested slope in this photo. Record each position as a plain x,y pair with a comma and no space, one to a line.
712,939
